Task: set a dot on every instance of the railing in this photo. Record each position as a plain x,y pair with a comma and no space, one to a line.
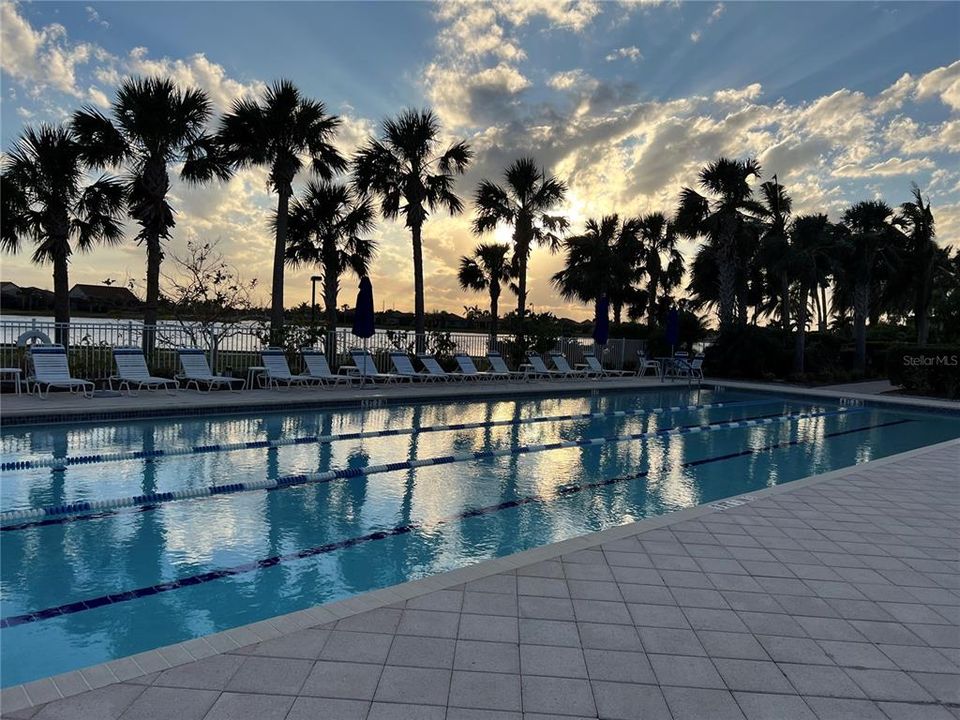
233,349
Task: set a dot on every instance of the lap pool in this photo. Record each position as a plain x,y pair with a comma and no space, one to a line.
112,541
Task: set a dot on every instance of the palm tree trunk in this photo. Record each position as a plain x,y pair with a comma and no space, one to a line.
617,312
419,328
522,294
331,289
861,308
823,305
150,307
494,312
652,300
785,301
800,340
727,272
61,298
279,257
921,305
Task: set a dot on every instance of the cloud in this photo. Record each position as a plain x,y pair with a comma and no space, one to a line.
631,53
944,82
695,36
739,95
891,166
94,17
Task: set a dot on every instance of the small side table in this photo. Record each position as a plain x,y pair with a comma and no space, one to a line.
255,372
14,374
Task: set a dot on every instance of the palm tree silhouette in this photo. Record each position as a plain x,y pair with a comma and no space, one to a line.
486,269
773,211
720,216
868,242
277,133
604,260
324,230
154,123
524,203
811,247
412,178
662,259
44,199
916,221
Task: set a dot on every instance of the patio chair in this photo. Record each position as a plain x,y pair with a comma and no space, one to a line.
367,368
469,370
51,370
132,372
594,364
675,365
432,366
560,363
404,368
499,366
691,369
540,367
277,370
644,363
319,369
195,370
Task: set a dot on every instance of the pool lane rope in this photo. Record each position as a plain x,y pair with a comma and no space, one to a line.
154,499
63,463
562,492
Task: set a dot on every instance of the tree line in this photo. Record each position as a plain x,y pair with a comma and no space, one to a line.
755,258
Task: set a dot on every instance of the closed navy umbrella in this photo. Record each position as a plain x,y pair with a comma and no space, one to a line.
363,315
673,328
601,321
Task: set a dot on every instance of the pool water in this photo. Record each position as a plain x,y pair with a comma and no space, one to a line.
76,591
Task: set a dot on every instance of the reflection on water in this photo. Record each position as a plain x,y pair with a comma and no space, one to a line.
49,566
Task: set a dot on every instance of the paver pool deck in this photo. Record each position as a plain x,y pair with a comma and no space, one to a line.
832,597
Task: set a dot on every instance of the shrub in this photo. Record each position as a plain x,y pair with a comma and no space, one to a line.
750,352
930,370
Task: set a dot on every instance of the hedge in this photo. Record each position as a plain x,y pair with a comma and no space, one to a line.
928,370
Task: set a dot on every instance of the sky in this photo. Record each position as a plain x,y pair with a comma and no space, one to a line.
624,101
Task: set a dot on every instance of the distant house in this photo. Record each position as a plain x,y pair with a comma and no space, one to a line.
14,297
102,298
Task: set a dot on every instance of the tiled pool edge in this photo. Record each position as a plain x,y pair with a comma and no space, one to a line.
129,668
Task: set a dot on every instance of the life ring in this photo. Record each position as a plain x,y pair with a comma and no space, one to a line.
25,338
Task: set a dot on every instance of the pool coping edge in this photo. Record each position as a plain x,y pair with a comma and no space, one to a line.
129,668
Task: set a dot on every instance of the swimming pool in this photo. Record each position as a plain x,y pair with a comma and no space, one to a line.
356,510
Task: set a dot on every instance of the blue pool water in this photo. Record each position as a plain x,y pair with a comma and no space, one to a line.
79,591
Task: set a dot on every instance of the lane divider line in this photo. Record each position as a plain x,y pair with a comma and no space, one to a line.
65,462
19,516
561,492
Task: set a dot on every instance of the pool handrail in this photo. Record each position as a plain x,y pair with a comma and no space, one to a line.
132,370
51,370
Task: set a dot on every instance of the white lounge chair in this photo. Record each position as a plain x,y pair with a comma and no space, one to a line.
468,370
499,366
319,369
560,362
404,367
277,370
433,367
540,367
51,370
599,370
644,363
367,368
132,372
196,371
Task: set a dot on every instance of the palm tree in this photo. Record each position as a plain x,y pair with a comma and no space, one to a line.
720,217
154,124
603,261
486,269
662,260
324,230
524,203
280,132
811,248
405,168
44,198
868,241
916,220
773,212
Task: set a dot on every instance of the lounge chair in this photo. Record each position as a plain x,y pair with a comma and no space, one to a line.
644,363
499,366
433,367
560,362
277,370
367,369
540,367
594,364
404,367
469,370
132,372
196,371
319,369
51,370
